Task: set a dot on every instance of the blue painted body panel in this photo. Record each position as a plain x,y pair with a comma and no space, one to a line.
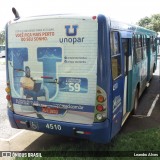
99,131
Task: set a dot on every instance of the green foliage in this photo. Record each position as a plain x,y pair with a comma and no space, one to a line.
2,37
145,22
152,22
146,140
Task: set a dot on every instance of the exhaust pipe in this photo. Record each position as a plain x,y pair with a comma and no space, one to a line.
16,14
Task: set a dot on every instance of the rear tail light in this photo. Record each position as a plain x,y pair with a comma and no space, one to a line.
99,117
99,108
81,132
101,105
100,98
94,17
8,97
8,90
99,91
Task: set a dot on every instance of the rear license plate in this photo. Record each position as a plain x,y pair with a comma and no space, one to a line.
50,110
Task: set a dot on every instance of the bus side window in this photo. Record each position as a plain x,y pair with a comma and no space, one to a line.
133,48
153,44
115,54
125,47
138,49
144,47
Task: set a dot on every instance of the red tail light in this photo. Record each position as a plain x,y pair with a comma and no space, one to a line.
101,105
99,108
94,17
8,97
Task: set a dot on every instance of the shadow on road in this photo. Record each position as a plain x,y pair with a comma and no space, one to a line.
47,141
141,121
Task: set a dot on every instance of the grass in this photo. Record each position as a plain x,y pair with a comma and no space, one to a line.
147,140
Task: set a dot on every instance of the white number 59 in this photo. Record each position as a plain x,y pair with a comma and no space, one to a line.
74,87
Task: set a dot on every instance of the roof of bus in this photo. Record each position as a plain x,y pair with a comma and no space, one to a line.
130,27
58,16
117,25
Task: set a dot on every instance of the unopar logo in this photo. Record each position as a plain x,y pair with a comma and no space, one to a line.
71,31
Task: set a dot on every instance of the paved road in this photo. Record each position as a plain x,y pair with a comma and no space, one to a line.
17,140
150,96
11,139
6,130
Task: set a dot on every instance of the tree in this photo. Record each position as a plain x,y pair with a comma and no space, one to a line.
2,37
144,22
155,22
152,22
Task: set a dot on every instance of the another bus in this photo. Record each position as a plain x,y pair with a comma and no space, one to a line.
78,76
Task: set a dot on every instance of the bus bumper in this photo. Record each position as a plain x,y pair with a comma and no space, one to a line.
96,132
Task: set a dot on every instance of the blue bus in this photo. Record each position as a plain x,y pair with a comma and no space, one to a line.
78,76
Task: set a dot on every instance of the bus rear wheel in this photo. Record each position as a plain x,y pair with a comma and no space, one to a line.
136,96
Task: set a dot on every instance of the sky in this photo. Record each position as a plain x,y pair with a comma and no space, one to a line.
129,11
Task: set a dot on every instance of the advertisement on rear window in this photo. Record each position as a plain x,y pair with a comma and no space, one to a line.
52,67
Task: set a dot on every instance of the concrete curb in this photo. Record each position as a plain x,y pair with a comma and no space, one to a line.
20,142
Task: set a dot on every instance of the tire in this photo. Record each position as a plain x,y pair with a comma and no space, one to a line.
136,96
154,68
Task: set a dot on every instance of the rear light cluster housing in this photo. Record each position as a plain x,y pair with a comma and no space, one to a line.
8,97
101,105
